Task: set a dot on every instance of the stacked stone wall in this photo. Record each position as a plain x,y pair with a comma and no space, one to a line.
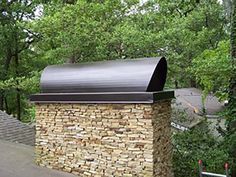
105,140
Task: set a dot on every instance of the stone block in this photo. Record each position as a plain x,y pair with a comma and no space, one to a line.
105,140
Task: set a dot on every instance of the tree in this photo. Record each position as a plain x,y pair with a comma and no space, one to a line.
233,51
190,28
94,31
198,144
15,41
207,66
212,69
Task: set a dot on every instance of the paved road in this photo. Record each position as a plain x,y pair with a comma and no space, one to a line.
189,100
16,160
192,98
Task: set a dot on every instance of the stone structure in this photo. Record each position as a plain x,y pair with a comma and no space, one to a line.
105,139
105,119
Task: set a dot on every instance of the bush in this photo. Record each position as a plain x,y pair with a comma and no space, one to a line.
198,143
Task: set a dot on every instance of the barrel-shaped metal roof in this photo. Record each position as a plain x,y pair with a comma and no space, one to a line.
128,75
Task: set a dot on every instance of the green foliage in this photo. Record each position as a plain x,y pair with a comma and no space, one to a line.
198,144
91,30
191,27
230,133
19,69
192,34
212,69
186,32
28,84
88,31
29,113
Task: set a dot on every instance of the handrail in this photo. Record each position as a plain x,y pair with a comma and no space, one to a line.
203,173
213,174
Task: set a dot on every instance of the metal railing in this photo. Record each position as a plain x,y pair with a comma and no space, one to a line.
202,173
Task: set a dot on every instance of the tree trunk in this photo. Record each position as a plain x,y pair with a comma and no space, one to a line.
18,101
6,105
1,100
4,76
176,84
193,83
69,1
232,89
72,59
233,52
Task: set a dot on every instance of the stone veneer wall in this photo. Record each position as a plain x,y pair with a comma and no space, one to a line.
105,139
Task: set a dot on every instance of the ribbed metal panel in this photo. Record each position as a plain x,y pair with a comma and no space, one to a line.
129,75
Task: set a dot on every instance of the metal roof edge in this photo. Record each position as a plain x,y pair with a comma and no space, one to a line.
103,97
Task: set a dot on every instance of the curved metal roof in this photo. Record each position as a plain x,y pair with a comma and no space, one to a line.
129,75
